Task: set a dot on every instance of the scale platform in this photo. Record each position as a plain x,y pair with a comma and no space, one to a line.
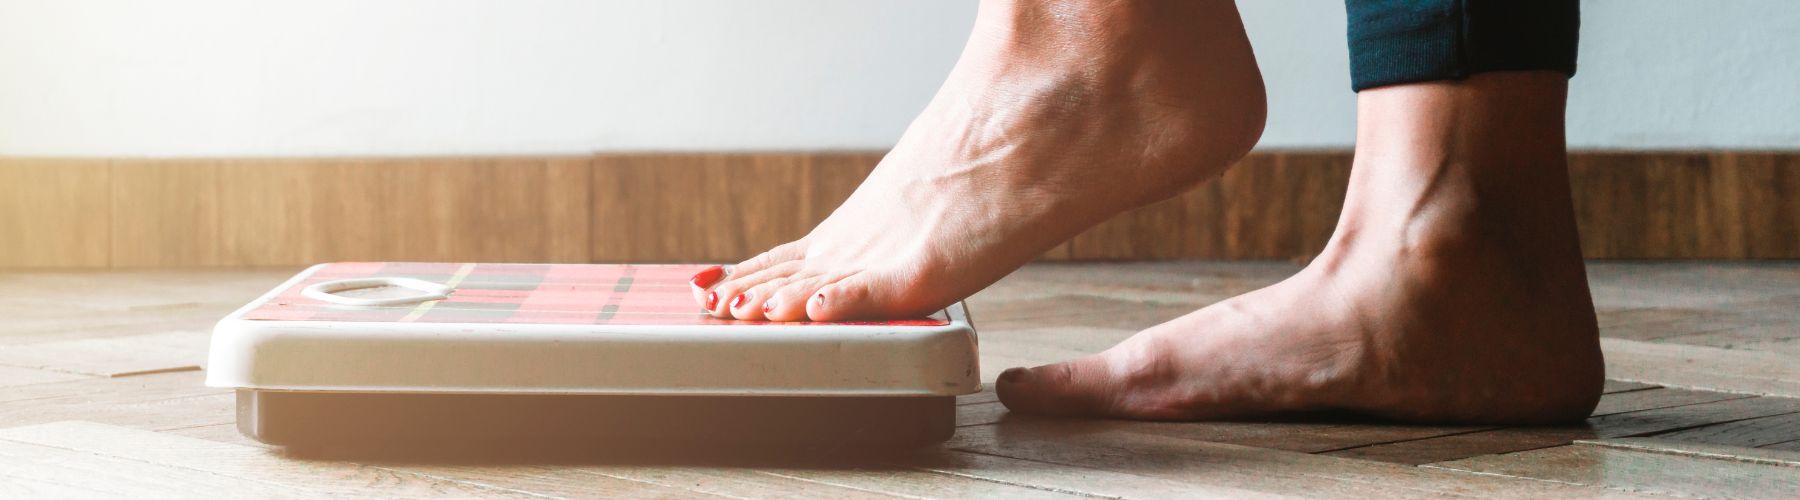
360,354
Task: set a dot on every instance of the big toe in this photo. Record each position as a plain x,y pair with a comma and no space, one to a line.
1082,387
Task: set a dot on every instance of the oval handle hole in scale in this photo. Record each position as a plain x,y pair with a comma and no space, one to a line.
421,291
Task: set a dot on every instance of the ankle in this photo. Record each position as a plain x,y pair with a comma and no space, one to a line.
1058,27
1444,216
1455,165
1125,45
1486,121
1174,81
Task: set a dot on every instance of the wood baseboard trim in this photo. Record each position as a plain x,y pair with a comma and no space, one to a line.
676,207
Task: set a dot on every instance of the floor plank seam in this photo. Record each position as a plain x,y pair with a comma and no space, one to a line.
1388,484
1708,424
155,371
1690,453
1025,484
1726,390
662,484
96,493
195,426
147,462
1562,444
836,485
153,399
456,481
1778,443
1342,479
1567,483
129,374
1397,441
1635,389
169,429
1032,486
35,384
252,479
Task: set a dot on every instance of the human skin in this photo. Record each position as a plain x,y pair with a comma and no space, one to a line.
1452,290
1057,116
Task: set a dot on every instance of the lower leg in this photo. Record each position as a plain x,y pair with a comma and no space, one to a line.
1452,290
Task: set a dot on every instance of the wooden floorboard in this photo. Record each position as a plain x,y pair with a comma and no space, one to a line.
149,414
60,470
1654,398
136,388
96,384
1629,470
1701,367
1513,439
1271,471
558,481
1775,454
14,376
226,432
113,356
238,464
1371,439
1089,481
1788,446
1752,433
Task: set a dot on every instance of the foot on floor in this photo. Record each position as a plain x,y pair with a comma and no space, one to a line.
1057,117
1452,291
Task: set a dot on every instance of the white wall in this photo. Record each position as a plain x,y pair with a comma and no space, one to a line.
410,77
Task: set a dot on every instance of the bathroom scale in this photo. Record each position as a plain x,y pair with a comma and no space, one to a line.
398,353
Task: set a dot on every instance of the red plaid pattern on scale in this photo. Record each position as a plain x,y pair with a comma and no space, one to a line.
578,294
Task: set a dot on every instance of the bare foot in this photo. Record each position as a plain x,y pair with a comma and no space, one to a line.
1057,116
1453,289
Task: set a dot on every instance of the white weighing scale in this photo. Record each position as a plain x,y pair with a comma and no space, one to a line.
360,353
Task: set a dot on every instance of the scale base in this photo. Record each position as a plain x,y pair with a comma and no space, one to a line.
323,422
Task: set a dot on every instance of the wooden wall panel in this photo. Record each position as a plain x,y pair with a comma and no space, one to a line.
714,207
165,213
54,213
1267,206
1768,200
287,212
721,207
1720,205
567,210
266,211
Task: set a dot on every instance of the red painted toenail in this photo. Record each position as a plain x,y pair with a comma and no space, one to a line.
819,300
737,302
712,300
768,307
707,277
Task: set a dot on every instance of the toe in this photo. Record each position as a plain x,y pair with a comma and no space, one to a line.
864,295
730,296
1156,377
1083,387
788,303
761,299
701,285
788,252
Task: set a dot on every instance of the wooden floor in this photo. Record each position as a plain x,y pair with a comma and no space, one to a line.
100,393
